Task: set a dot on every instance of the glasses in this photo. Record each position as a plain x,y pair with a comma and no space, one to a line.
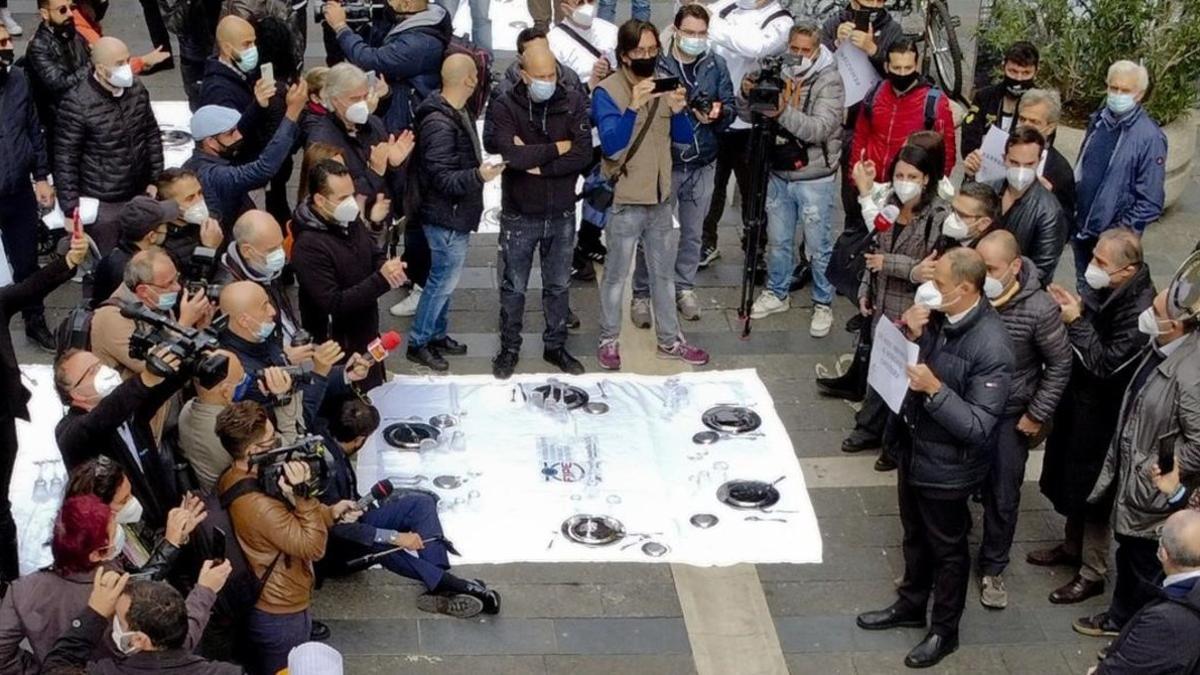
65,10
692,33
966,216
643,53
90,371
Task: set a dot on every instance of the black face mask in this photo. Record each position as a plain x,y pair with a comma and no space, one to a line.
643,67
1016,88
902,83
6,60
232,150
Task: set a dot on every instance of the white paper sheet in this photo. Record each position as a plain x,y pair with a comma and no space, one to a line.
648,470
39,475
890,353
858,75
991,168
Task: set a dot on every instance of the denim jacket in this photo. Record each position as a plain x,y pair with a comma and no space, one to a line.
711,80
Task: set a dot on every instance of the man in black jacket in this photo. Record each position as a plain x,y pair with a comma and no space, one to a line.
541,129
14,397
1103,329
1041,368
535,36
57,58
143,225
943,439
996,106
23,147
194,227
112,418
1161,637
257,255
340,271
1030,211
452,175
108,145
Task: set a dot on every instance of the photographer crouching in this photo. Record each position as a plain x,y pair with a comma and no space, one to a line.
402,532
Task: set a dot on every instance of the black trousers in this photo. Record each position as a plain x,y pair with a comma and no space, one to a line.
416,254
937,558
732,157
10,567
1138,575
159,37
873,415
1002,496
192,74
552,238
18,229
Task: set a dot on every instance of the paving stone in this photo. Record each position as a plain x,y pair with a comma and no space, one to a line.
846,598
974,660
860,530
374,636
420,664
640,600
1046,659
823,633
836,502
820,664
607,665
488,635
622,636
989,627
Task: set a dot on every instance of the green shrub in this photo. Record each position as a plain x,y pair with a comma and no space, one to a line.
1079,39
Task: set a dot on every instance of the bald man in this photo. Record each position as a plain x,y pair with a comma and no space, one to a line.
108,145
944,438
452,174
1041,370
546,152
257,255
198,418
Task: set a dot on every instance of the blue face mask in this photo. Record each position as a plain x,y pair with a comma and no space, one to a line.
693,46
1120,103
239,392
541,90
248,60
167,301
265,329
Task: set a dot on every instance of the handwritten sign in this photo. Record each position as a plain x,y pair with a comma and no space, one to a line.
890,353
992,169
858,75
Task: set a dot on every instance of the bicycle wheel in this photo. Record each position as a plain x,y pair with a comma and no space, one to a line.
942,48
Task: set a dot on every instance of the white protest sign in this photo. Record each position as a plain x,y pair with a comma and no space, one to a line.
991,168
890,353
858,75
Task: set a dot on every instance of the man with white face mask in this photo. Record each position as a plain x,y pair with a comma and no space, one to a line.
584,43
257,255
194,227
1103,329
1041,369
944,439
1031,212
1160,415
112,418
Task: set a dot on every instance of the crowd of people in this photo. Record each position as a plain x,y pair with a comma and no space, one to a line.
194,380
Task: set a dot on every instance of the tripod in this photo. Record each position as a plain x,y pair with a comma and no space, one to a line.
761,135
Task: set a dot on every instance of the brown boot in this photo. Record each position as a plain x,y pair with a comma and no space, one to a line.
1076,590
1052,557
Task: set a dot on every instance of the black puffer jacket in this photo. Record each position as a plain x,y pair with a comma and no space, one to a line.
55,65
1041,352
952,431
1040,226
107,147
451,187
22,144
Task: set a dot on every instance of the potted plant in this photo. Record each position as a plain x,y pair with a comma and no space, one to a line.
1079,39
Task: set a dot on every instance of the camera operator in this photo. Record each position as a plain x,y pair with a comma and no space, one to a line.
803,179
408,55
194,227
152,281
198,418
408,521
111,418
143,225
257,255
281,536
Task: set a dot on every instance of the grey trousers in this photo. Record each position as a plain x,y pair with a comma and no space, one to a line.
693,188
629,224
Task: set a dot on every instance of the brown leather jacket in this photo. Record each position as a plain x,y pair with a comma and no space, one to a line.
267,528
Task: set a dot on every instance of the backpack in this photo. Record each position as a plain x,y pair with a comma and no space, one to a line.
483,66
75,329
932,98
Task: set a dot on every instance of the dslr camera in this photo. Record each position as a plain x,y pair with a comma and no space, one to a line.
701,103
358,12
311,450
199,272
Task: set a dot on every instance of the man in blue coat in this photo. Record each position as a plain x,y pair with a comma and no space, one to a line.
1122,165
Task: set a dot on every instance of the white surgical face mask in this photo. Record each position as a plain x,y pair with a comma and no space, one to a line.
1120,103
107,380
346,211
196,214
954,227
1149,324
1020,177
541,90
583,15
130,513
121,638
358,113
1096,277
121,76
118,544
693,46
275,260
906,191
928,294
993,287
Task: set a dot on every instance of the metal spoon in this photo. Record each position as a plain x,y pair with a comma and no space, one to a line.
603,394
760,519
710,437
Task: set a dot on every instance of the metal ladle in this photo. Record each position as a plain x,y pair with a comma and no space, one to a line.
710,437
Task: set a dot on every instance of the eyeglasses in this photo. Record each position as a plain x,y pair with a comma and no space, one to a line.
643,53
966,216
90,371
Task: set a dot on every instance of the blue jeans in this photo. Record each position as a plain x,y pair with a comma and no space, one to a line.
552,238
693,188
607,10
481,25
274,635
1083,255
650,226
792,204
448,253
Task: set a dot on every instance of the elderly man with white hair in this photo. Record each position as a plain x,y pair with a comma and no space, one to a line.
1122,165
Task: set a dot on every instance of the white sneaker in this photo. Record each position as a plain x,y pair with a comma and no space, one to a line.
688,305
822,321
767,304
14,28
407,306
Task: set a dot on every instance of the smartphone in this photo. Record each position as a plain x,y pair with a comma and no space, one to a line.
665,84
372,79
218,546
268,72
76,224
1166,458
862,21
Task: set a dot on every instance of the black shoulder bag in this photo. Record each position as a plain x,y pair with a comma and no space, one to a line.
601,196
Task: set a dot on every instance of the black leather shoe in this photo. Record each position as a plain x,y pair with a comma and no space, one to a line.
504,364
892,617
564,361
1096,626
159,67
573,322
319,632
448,345
1076,590
490,598
854,323
424,356
931,651
859,441
844,387
884,463
38,333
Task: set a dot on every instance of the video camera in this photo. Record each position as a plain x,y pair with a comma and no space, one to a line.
358,12
769,83
196,349
311,450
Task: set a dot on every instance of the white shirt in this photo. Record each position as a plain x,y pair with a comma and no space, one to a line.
126,434
601,34
955,318
742,41
1182,576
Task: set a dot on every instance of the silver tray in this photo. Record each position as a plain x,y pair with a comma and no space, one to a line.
731,419
748,494
592,530
408,435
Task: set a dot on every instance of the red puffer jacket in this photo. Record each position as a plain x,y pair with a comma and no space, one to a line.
882,131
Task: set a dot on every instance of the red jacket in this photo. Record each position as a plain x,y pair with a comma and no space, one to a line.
883,131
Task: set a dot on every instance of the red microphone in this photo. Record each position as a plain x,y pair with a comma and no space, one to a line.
381,346
886,218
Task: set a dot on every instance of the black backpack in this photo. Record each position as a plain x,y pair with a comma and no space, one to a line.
483,70
75,329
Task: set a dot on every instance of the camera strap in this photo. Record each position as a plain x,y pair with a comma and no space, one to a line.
579,38
637,143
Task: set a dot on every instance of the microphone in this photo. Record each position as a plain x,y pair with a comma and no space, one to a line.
381,346
379,492
886,218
